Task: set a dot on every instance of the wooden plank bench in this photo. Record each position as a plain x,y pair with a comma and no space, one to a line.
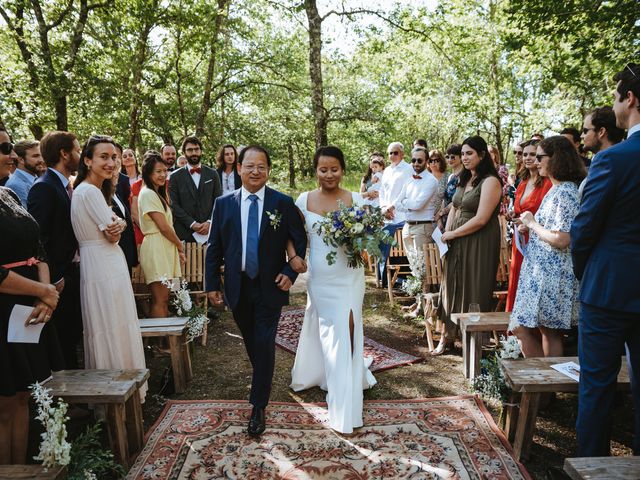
32,472
472,333
118,397
172,328
531,377
603,468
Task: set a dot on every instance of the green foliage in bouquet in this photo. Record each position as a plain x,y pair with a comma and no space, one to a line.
90,460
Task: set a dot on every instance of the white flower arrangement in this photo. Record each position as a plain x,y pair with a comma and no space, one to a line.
54,448
181,301
510,347
413,285
491,383
274,218
89,475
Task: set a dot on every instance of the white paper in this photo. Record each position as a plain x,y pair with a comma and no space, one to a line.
18,332
521,244
442,246
570,369
198,237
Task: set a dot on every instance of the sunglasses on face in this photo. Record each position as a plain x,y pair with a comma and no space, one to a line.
394,153
517,152
540,157
6,148
586,130
434,160
417,160
449,157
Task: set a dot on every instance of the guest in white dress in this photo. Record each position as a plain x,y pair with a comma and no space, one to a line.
331,347
112,337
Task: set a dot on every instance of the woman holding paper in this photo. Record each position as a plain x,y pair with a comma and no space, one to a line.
24,280
547,297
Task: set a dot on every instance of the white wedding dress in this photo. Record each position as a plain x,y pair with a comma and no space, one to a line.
324,357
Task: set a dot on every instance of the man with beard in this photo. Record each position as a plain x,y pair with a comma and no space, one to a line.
49,202
27,168
599,132
193,189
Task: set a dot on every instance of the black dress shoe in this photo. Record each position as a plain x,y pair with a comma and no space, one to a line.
256,422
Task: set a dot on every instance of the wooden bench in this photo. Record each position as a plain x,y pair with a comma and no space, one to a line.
472,334
531,377
118,392
29,472
603,468
173,329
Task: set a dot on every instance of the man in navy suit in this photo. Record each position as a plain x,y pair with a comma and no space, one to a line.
49,202
249,232
605,245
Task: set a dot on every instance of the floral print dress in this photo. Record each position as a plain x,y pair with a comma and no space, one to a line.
547,294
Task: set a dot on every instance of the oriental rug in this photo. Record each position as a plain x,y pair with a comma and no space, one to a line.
384,358
441,438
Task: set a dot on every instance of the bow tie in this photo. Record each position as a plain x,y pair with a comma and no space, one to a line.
417,177
195,170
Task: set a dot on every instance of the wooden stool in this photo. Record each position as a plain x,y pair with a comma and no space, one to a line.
622,468
472,333
532,377
172,328
119,397
32,472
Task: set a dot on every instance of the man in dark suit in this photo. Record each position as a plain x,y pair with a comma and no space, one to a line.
605,245
49,202
249,232
193,189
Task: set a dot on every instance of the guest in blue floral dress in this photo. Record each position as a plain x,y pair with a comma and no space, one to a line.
547,296
454,160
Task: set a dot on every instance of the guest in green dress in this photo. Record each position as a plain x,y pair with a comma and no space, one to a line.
473,233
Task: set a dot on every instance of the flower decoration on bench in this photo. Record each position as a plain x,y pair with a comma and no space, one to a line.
54,448
490,384
184,307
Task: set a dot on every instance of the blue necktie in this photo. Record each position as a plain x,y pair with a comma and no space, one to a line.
251,257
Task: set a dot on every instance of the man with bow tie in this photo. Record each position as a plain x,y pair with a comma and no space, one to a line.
193,189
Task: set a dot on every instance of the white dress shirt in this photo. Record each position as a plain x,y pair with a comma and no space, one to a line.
228,182
196,176
393,180
245,203
633,130
415,200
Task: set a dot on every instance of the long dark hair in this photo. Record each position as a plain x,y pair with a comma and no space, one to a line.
220,156
149,160
485,168
83,170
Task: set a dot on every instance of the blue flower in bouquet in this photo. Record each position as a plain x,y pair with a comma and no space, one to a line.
353,229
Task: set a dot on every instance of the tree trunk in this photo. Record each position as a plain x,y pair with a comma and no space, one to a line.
292,166
315,72
140,58
205,104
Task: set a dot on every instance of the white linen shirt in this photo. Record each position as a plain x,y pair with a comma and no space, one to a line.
415,200
393,181
245,203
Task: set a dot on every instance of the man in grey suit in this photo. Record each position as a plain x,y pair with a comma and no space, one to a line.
193,189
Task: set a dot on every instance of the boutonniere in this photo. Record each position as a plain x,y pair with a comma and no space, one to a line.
274,218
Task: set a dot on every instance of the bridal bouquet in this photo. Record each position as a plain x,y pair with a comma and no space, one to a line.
356,229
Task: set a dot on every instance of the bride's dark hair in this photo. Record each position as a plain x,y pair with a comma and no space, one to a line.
329,151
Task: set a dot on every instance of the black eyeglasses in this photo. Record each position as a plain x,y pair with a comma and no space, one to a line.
540,157
517,152
434,160
450,157
6,148
586,130
417,160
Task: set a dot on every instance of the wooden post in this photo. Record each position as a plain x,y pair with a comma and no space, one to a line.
526,424
135,427
179,374
116,421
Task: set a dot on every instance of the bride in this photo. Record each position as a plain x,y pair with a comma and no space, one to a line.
330,350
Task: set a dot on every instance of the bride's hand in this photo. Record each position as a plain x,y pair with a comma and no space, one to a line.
298,264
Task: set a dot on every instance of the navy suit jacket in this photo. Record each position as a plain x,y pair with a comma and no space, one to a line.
225,246
605,236
123,188
49,203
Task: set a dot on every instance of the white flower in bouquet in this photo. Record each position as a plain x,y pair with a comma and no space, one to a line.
196,326
54,448
89,475
510,347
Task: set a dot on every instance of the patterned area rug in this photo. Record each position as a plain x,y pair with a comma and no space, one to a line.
443,438
384,358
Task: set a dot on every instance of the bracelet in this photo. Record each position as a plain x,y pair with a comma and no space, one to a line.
295,256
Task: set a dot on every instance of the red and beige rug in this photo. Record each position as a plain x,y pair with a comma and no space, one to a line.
442,438
384,358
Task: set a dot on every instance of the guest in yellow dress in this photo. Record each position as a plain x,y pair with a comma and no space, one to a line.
161,251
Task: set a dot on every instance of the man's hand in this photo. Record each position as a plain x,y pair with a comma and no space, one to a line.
389,213
215,298
373,194
196,227
283,282
204,229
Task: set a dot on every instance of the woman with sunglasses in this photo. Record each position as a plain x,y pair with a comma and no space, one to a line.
454,161
112,338
8,157
24,280
529,194
547,296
